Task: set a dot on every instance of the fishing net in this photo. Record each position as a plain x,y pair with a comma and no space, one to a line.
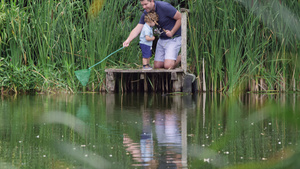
83,76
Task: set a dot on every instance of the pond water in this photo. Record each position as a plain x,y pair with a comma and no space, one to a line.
149,131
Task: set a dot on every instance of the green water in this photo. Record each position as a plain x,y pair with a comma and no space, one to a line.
149,131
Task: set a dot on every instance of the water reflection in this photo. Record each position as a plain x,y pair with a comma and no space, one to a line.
161,141
167,127
142,152
149,131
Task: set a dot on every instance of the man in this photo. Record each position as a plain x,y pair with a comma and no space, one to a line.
169,43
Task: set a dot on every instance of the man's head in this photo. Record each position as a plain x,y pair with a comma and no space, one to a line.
148,5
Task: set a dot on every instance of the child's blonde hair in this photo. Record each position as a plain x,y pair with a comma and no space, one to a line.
151,16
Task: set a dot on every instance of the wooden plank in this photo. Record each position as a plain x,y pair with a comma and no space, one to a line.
174,76
142,76
144,71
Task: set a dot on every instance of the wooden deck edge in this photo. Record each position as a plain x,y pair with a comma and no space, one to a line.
143,71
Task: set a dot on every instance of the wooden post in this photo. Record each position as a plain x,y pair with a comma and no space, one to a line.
145,83
110,82
177,84
183,39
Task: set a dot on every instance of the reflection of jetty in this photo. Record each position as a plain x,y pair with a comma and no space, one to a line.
134,80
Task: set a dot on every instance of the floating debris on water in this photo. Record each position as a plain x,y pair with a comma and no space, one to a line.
206,160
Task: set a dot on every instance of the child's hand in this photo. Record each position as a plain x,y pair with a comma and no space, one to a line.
148,38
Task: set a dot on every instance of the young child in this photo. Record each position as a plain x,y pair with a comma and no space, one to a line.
146,40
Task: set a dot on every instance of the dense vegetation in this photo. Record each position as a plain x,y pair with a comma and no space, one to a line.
234,45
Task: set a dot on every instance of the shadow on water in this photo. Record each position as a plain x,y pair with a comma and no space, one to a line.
150,131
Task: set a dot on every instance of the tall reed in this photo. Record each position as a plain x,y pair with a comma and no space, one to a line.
245,45
55,38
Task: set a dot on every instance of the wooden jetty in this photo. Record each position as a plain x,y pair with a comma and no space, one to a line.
135,80
156,80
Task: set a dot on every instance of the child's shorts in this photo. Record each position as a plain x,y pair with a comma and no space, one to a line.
146,51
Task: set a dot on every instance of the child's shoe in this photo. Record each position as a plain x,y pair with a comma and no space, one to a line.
147,67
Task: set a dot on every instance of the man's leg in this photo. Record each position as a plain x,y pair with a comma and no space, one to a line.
178,60
169,64
158,64
172,64
172,59
159,55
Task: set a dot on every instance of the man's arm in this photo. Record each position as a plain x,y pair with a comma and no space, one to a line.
177,25
133,34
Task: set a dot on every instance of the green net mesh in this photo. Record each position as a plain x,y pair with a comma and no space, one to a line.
83,76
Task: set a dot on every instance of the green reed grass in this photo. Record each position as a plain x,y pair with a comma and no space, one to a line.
57,36
245,45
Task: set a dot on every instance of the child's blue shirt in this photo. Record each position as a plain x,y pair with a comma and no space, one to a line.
146,31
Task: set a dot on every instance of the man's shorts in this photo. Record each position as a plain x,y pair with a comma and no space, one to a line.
146,51
167,49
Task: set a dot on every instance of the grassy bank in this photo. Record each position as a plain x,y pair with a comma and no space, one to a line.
242,46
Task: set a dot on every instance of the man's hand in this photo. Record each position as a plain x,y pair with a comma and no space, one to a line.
126,43
169,33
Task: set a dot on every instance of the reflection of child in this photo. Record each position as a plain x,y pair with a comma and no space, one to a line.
146,40
146,139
